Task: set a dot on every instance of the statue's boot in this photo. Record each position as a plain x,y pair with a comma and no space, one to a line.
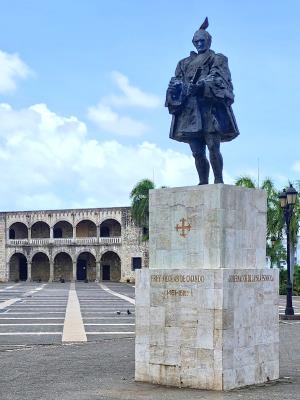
216,161
202,166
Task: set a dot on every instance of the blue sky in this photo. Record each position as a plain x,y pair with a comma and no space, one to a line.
82,86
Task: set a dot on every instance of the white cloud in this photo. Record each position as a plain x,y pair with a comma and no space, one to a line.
110,121
12,68
107,119
48,161
130,96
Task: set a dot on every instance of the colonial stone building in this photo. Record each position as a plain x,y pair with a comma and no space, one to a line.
81,244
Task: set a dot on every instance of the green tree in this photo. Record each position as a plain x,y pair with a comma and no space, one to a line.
277,253
245,181
275,221
140,205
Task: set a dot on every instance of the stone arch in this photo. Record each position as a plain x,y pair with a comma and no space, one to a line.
56,250
110,264
40,230
116,217
86,228
18,269
62,229
44,250
63,266
85,249
40,267
110,228
86,267
83,217
59,218
18,230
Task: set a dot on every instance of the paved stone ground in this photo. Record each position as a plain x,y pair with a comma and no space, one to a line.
296,304
38,314
102,368
99,311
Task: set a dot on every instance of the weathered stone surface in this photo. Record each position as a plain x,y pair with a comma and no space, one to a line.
227,227
207,309
196,338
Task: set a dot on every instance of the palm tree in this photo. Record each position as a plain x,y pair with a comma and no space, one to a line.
245,181
275,221
140,205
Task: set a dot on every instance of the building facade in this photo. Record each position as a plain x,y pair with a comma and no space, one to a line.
80,244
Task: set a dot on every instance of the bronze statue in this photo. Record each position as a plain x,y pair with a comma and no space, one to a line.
199,98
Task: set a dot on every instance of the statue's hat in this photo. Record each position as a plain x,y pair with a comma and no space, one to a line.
204,25
202,29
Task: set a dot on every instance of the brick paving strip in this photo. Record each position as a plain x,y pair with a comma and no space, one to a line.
73,327
121,296
8,303
7,288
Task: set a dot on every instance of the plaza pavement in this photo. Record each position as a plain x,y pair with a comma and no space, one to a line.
36,365
38,312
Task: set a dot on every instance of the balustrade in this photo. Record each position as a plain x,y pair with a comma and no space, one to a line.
66,241
89,240
110,240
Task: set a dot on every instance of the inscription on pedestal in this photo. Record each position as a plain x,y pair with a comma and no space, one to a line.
177,293
180,278
250,278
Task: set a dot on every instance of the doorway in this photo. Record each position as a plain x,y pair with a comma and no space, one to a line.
106,272
81,270
18,267
23,269
111,266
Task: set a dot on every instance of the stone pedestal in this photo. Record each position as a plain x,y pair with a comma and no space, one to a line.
207,308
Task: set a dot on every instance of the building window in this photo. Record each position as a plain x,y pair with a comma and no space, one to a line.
12,234
136,263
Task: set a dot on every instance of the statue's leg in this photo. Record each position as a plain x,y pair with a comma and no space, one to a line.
198,147
213,141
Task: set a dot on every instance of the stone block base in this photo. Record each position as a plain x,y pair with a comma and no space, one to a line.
207,329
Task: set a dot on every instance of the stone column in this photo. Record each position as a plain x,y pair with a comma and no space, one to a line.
29,271
74,271
98,233
98,271
7,274
74,233
51,277
29,234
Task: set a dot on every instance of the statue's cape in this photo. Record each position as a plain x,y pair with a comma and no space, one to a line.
210,111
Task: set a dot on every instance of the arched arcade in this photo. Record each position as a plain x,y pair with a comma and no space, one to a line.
40,267
63,267
86,267
110,266
18,268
